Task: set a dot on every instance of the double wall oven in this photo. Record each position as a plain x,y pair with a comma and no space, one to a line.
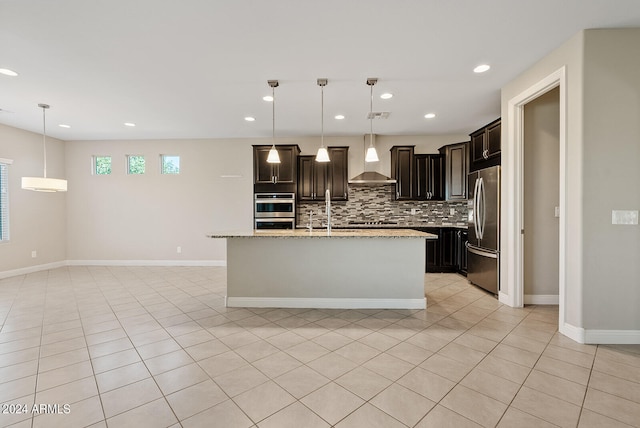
274,210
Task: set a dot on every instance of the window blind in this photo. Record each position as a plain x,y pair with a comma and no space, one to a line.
4,201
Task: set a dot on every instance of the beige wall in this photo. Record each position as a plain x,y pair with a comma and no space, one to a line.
145,218
37,220
611,179
541,194
570,56
603,151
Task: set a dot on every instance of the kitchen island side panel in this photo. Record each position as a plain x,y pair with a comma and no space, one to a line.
306,268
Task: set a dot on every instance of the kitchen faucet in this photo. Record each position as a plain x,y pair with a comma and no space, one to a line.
327,197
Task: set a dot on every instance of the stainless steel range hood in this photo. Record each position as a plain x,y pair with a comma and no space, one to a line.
371,177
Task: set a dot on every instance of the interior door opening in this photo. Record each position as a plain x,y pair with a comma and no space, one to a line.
541,196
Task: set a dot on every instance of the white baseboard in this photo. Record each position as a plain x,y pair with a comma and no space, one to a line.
54,265
31,269
601,337
325,303
146,263
541,299
572,332
612,337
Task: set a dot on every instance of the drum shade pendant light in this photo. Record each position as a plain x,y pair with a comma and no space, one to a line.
273,156
372,154
44,184
323,154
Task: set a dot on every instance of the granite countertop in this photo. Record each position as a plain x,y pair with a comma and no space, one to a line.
396,226
322,233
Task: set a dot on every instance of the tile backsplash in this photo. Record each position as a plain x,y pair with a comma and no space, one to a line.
377,203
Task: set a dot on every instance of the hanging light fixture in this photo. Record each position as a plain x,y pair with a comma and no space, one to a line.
273,156
44,184
323,154
372,154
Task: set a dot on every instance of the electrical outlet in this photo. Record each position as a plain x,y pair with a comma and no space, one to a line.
319,211
413,211
556,212
179,250
34,254
624,217
452,211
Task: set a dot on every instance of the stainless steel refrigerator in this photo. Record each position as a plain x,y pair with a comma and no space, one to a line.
483,249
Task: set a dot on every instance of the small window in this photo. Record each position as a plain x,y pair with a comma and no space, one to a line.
170,164
102,165
135,164
4,199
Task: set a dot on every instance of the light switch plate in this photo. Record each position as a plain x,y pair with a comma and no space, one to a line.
624,217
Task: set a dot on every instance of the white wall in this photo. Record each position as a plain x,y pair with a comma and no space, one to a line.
541,194
36,219
611,179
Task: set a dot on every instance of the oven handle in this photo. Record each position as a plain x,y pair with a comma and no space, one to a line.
271,201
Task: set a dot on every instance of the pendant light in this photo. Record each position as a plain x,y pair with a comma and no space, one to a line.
323,154
273,156
372,154
44,184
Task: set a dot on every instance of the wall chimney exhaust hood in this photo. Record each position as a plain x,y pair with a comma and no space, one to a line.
371,178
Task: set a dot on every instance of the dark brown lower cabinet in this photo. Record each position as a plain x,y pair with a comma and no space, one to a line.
443,255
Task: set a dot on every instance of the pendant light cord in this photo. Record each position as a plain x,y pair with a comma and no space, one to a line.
322,116
273,116
371,118
44,139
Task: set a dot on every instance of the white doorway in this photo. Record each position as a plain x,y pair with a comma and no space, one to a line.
512,224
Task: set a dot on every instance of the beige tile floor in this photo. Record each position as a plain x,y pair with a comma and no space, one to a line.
141,346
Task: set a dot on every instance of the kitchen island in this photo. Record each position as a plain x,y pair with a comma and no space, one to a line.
348,268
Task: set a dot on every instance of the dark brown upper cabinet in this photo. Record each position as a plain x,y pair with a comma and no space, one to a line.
275,177
402,170
485,146
314,178
456,170
429,177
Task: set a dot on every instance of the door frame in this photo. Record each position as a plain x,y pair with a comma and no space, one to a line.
512,223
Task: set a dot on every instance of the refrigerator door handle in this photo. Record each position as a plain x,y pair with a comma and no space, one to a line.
476,219
482,207
478,252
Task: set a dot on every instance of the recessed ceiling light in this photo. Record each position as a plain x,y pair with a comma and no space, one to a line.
386,96
8,72
250,119
62,125
268,98
429,115
129,124
339,116
481,68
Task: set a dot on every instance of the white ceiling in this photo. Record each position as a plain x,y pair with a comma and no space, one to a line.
196,68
